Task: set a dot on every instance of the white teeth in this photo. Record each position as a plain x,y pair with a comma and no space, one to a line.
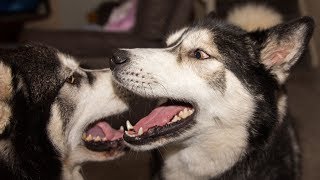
104,139
184,113
129,126
84,135
140,132
121,128
175,118
97,139
89,138
130,135
190,111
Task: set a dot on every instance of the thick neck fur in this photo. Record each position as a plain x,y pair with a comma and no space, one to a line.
32,154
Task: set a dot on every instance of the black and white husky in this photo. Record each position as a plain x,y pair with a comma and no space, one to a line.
53,115
225,116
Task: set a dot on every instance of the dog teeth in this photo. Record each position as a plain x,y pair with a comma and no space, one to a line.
129,126
130,135
104,139
140,132
190,111
184,113
84,136
175,118
89,138
97,139
121,128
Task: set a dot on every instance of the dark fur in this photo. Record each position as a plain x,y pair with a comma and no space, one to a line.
270,154
34,156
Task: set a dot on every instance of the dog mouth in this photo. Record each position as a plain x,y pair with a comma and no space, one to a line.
168,120
100,136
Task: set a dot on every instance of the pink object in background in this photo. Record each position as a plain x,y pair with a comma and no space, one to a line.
123,17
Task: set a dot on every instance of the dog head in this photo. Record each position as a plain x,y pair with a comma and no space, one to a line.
51,108
219,81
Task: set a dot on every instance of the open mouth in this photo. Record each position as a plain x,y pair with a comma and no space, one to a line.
101,137
165,121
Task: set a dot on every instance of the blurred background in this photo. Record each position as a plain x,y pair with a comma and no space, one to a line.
91,29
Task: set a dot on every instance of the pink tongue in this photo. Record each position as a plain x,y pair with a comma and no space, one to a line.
160,116
103,129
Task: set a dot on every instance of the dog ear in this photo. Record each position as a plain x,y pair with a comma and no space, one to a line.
5,96
283,45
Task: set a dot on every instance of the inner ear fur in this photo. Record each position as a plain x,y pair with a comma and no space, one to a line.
283,45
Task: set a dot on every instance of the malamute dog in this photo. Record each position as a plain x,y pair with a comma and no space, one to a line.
225,114
53,115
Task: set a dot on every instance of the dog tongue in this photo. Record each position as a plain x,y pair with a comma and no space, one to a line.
160,116
103,129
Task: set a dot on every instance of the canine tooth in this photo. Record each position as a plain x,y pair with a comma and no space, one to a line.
121,128
129,126
84,135
175,118
190,111
140,132
89,138
97,139
183,114
130,135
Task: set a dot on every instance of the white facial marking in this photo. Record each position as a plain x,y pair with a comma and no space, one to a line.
55,127
175,36
219,136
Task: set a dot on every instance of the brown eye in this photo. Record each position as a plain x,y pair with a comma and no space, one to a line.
71,79
199,54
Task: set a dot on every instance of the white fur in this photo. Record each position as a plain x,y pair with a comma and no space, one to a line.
282,107
5,82
5,115
219,137
55,130
92,102
252,17
175,36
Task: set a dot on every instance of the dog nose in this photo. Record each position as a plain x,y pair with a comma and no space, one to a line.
118,57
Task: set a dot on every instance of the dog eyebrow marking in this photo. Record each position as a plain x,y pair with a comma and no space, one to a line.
66,108
218,80
176,38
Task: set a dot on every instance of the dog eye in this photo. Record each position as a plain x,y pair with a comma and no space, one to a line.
199,54
71,79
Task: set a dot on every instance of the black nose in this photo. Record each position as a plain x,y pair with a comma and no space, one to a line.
118,57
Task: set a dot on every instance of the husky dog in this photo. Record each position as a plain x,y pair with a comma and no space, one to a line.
53,115
225,114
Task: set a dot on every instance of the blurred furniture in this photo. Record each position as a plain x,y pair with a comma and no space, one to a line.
155,19
13,15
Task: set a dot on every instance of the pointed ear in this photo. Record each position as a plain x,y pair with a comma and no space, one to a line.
5,96
283,45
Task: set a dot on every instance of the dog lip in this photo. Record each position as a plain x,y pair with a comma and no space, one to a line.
107,146
161,132
99,136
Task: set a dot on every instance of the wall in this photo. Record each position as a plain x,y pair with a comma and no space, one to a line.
67,14
311,8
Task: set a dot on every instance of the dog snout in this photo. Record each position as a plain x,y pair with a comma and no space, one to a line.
118,57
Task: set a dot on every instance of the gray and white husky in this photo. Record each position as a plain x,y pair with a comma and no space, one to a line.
54,115
224,114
